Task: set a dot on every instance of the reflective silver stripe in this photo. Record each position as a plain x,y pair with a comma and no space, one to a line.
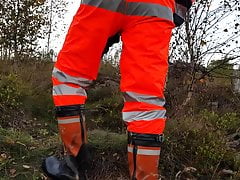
63,77
143,115
133,8
111,5
69,121
63,89
136,97
145,151
149,9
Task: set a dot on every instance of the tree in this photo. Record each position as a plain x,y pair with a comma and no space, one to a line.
55,11
24,22
20,24
211,31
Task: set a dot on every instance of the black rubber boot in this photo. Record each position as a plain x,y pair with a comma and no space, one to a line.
69,168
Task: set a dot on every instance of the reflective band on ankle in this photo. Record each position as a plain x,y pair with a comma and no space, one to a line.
68,121
145,151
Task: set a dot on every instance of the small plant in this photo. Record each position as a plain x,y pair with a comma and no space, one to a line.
228,122
10,92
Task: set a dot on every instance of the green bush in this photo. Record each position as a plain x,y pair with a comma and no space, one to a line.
11,93
228,122
24,96
108,112
196,142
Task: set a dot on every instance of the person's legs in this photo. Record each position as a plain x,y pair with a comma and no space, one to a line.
76,67
144,65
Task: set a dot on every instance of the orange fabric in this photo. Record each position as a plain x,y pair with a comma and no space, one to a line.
144,59
85,41
140,106
64,100
71,134
146,165
147,127
143,64
71,137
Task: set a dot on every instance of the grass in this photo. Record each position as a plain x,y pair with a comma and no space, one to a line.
21,154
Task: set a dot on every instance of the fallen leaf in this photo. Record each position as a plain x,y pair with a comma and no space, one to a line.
4,156
32,148
26,166
12,171
21,143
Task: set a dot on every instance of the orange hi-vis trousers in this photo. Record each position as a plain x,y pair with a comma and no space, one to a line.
145,27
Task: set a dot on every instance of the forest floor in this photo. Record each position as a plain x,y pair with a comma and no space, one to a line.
22,154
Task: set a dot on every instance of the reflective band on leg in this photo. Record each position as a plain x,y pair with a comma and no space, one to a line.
111,5
133,8
63,77
136,97
149,9
68,90
143,115
145,151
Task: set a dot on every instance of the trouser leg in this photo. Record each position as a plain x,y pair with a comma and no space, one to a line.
76,67
144,66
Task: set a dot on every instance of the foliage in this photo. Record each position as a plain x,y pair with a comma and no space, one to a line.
203,39
24,96
197,142
11,93
227,122
55,11
108,110
20,153
23,23
20,24
202,36
221,68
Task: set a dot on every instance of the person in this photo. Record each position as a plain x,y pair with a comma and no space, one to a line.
145,27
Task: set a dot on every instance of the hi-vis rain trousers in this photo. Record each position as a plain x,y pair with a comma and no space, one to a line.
145,27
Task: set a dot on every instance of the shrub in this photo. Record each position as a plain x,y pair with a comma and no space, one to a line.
196,142
11,93
108,112
228,122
